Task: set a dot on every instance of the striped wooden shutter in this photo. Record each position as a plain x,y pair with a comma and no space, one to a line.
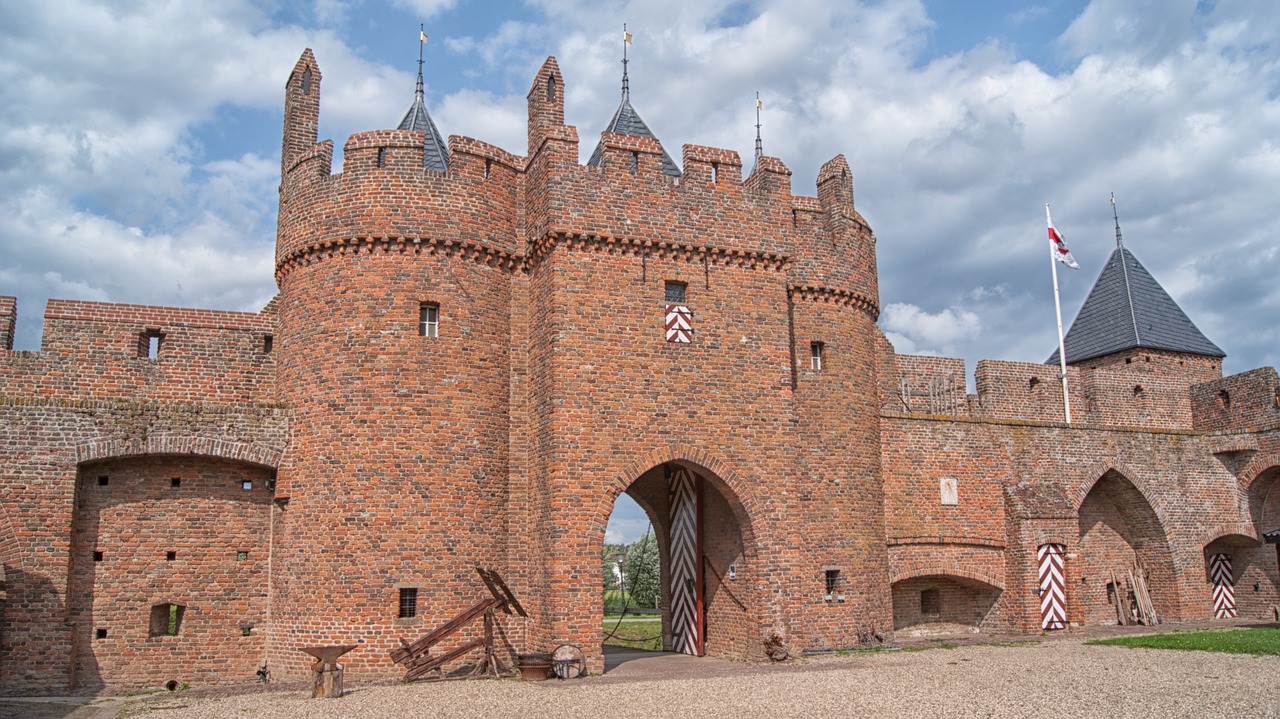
1053,594
679,328
1224,589
686,569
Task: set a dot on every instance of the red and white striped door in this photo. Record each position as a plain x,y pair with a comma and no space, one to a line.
686,566
1224,586
1053,593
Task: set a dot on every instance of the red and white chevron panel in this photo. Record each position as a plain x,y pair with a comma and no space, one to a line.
1053,592
1224,586
686,582
679,328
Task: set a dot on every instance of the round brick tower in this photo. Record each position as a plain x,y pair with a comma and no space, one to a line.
393,355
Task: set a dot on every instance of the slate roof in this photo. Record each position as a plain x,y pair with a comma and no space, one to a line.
435,152
626,121
1127,309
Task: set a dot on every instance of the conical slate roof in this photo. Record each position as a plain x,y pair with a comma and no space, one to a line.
435,153
626,121
1127,309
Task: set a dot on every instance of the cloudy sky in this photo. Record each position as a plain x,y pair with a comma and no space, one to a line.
139,141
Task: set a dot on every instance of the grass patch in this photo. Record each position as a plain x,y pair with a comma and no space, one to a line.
636,635
1263,640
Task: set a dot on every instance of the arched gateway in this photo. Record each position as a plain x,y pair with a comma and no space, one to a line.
707,560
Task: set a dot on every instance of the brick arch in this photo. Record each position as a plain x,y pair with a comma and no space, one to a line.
739,491
1258,466
1229,529
944,569
1086,480
11,553
165,444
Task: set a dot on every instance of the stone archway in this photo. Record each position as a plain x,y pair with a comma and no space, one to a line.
1118,529
1258,579
722,561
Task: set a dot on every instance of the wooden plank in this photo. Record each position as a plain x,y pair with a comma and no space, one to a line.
417,670
401,654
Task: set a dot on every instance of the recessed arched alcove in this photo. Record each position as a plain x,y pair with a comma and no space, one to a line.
1118,531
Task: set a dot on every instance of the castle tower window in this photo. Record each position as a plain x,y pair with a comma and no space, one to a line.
268,344
306,81
488,165
429,319
551,89
100,633
242,556
246,484
166,619
103,480
831,578
97,556
408,602
635,162
382,157
816,350
170,556
149,344
677,292
715,172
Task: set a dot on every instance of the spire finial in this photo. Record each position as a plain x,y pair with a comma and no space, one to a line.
1119,240
422,42
626,84
759,144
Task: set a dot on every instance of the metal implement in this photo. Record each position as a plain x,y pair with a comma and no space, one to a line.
328,672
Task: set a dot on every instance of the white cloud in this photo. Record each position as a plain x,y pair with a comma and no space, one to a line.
937,333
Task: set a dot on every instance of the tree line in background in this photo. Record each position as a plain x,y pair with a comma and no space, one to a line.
639,574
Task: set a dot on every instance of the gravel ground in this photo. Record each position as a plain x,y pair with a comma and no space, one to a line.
1059,678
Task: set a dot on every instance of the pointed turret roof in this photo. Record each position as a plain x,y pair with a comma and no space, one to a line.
626,121
1127,309
435,152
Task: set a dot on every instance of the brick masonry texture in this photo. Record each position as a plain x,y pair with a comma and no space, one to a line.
381,459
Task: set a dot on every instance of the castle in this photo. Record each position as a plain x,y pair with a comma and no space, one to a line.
474,353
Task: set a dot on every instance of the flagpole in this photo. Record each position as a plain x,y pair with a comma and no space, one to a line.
1057,306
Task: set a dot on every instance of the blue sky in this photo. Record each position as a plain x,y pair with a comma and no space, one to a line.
139,143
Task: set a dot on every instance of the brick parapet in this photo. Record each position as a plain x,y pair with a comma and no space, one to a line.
100,350
8,316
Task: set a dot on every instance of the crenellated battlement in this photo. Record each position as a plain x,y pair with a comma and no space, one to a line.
1153,395
503,202
97,349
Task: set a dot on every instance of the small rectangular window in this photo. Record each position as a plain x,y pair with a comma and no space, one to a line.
408,602
100,633
677,293
242,556
175,482
429,319
166,620
97,556
833,581
149,344
815,355
170,556
246,485
104,481
268,344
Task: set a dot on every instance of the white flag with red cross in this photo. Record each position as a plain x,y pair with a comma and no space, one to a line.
1060,251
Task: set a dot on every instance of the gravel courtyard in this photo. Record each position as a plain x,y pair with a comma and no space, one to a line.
1058,678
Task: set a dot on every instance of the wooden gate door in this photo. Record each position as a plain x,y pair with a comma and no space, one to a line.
1053,594
1224,586
686,563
